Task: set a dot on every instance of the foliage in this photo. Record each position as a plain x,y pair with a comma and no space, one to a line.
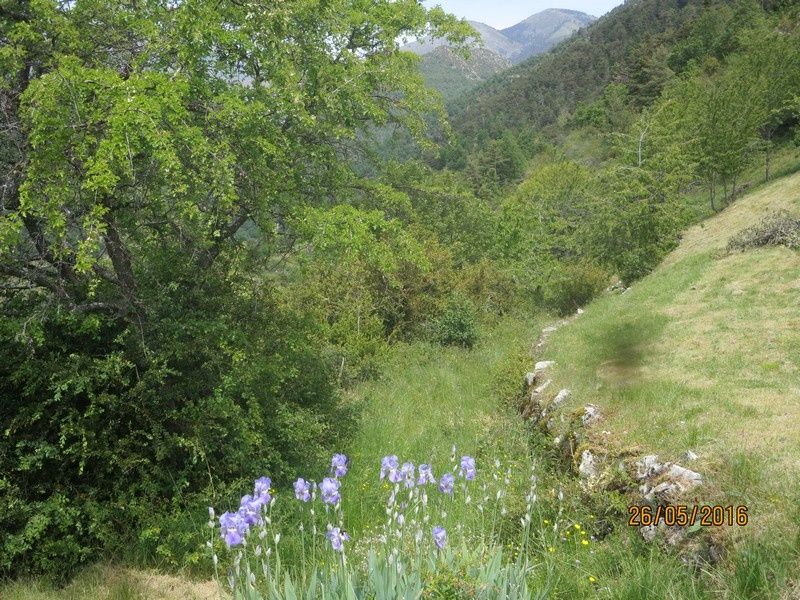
573,285
152,157
456,326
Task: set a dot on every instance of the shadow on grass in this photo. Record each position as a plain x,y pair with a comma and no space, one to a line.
621,346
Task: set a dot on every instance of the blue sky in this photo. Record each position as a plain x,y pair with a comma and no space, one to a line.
504,13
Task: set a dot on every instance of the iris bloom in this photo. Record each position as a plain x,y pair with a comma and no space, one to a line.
407,473
337,538
467,468
339,465
329,488
250,510
233,528
390,468
440,537
302,489
446,483
425,475
261,490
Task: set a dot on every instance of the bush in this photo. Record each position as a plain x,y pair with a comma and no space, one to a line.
493,291
101,447
778,229
573,285
456,325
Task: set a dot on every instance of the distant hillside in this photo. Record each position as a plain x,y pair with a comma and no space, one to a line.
542,31
536,34
532,95
493,40
453,75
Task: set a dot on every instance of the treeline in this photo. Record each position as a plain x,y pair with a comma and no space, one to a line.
694,95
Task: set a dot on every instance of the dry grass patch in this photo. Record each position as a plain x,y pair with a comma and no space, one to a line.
110,582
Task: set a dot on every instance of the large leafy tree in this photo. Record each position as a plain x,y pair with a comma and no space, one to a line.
154,155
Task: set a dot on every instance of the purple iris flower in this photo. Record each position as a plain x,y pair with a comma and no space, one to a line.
467,468
329,488
407,473
339,465
425,475
261,491
302,489
390,466
446,483
337,538
233,528
250,510
440,537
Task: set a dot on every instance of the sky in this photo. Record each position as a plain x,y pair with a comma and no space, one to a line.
504,13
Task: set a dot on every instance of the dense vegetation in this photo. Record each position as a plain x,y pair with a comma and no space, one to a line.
201,245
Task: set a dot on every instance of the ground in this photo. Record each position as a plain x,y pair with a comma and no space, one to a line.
703,355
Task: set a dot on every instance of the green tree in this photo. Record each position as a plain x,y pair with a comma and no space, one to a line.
152,155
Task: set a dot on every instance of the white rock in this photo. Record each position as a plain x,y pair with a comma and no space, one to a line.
530,379
542,387
666,488
649,467
689,455
591,414
648,533
588,466
580,311
562,396
543,365
682,474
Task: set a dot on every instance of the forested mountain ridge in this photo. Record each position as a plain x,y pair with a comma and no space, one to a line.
453,75
534,94
534,35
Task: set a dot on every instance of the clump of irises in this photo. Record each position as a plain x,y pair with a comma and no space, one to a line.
415,525
253,508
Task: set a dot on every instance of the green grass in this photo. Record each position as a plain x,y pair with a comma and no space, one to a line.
704,355
431,398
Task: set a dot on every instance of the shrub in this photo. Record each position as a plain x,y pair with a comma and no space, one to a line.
456,325
778,229
492,290
100,445
573,285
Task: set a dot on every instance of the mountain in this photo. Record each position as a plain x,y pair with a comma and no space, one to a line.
453,75
535,35
542,31
493,40
531,96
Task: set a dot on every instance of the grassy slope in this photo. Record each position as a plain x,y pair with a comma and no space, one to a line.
431,398
704,355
